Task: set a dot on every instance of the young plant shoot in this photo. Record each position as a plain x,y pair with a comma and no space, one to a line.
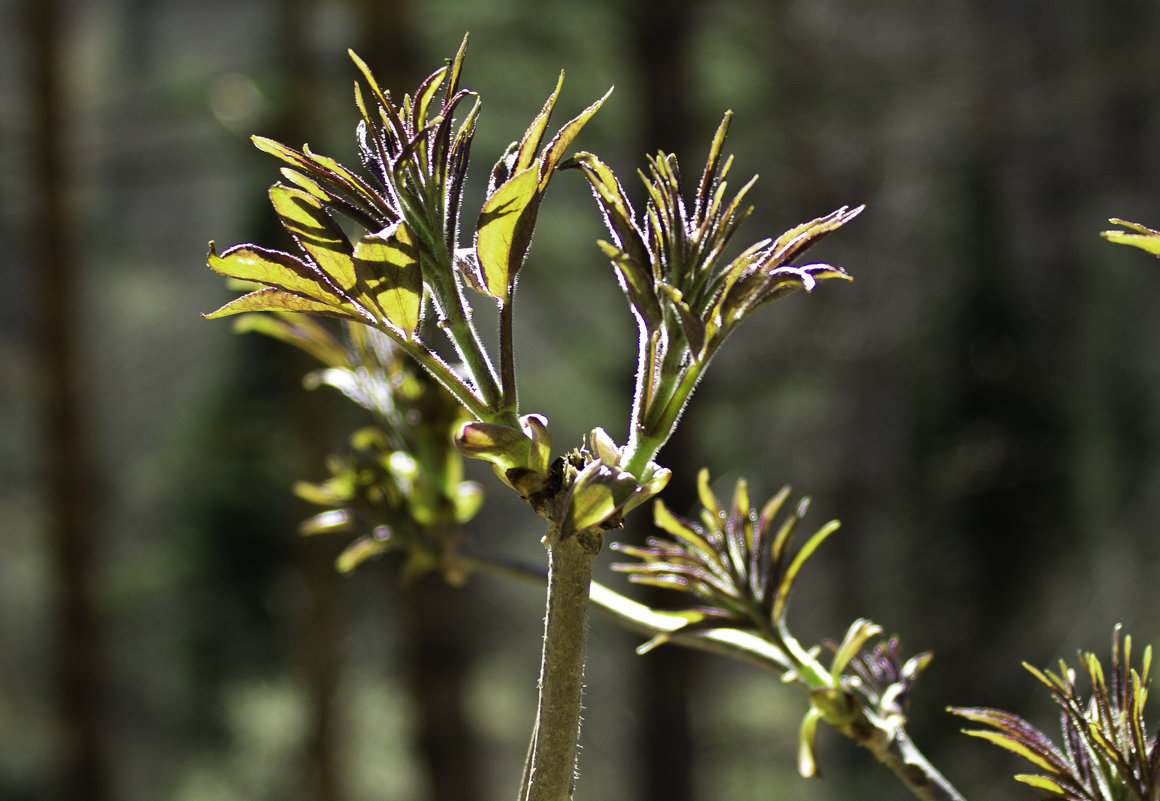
380,287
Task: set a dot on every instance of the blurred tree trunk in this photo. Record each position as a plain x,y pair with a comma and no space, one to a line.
999,426
68,475
660,42
438,646
438,650
660,36
386,42
321,661
317,630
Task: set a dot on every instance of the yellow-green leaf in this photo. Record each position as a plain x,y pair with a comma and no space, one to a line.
618,212
389,277
1014,745
800,237
667,521
467,498
302,331
530,142
795,566
540,452
554,151
1041,783
330,521
505,230
380,95
352,186
860,632
501,445
359,551
274,299
1145,238
708,499
808,744
275,268
305,218
599,490
303,181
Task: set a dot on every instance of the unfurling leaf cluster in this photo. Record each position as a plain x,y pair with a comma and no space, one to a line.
685,298
406,259
1108,750
738,562
734,560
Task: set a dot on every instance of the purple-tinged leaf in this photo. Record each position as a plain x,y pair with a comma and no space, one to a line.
795,566
508,216
331,175
275,268
277,300
305,218
530,142
553,153
1015,745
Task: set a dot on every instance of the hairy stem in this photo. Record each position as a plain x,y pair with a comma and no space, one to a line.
509,398
550,772
442,372
893,747
457,322
463,335
672,394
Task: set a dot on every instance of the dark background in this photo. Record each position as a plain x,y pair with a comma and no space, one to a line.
980,407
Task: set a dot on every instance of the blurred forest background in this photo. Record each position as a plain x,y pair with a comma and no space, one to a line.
980,407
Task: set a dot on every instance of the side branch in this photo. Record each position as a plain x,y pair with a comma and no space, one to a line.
892,746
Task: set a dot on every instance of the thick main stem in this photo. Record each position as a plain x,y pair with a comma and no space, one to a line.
550,774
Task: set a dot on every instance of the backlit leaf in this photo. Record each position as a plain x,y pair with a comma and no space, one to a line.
1144,238
797,239
301,330
616,208
1041,783
305,218
359,551
808,745
554,152
530,142
505,230
275,268
796,565
389,277
1014,745
274,299
347,187
501,445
